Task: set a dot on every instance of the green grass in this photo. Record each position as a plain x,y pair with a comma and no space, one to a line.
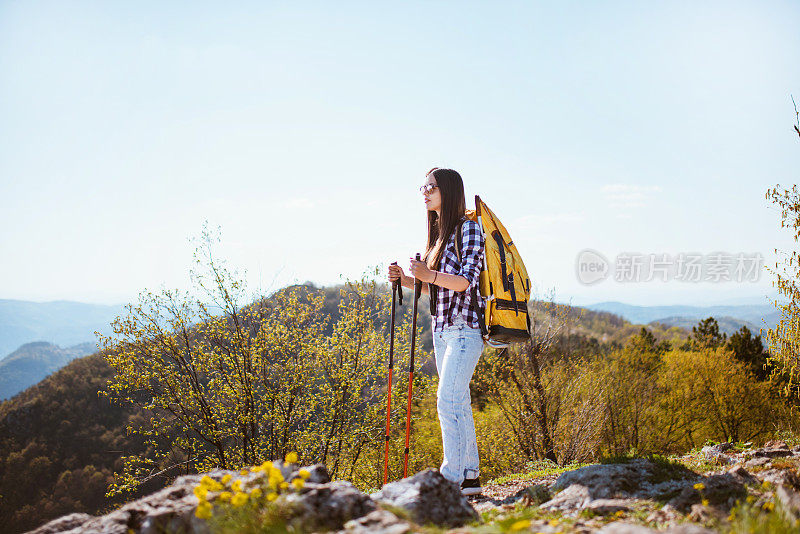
514,520
538,469
770,519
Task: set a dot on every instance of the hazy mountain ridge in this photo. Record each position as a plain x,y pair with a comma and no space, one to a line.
728,325
730,317
34,361
61,322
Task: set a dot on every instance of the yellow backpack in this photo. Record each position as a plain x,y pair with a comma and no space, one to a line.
504,283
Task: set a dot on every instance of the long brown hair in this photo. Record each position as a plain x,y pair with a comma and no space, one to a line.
451,189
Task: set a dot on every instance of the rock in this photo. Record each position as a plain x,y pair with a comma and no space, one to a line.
533,495
618,527
608,506
787,491
377,522
780,477
63,524
720,490
639,478
790,499
170,509
742,474
325,506
715,453
661,516
702,514
722,447
688,529
429,498
575,497
773,449
756,462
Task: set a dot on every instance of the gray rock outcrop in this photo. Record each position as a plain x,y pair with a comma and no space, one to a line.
320,505
429,498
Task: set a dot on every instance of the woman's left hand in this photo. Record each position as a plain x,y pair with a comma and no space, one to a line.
420,271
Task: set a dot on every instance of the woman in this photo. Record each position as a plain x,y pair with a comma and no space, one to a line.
457,340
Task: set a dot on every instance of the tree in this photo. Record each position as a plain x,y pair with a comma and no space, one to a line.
645,341
706,334
231,380
750,350
783,341
716,396
552,414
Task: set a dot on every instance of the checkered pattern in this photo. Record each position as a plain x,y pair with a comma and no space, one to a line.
449,303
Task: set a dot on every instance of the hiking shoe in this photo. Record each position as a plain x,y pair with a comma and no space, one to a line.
471,486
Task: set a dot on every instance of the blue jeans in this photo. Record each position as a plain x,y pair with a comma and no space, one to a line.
457,348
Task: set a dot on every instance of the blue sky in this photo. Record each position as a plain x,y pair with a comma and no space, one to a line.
304,129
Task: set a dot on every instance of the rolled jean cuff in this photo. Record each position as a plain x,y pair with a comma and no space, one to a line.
471,473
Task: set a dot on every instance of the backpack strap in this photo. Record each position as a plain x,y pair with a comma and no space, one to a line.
474,301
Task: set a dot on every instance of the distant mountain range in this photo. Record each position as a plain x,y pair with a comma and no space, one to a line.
730,318
33,361
38,331
60,322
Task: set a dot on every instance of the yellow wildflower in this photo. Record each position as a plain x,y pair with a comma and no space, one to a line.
255,493
207,481
227,478
215,486
225,496
243,472
237,485
275,480
750,499
203,510
765,484
768,506
256,469
291,458
304,473
553,522
519,525
298,483
699,486
283,485
201,492
266,466
239,499
271,496
704,502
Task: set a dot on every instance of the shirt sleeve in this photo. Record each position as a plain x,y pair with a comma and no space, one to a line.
472,246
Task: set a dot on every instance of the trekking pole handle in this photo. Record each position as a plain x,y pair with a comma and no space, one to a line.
417,282
396,285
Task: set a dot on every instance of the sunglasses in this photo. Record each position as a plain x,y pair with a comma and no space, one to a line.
427,188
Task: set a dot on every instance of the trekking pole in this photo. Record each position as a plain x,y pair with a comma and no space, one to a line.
395,288
417,291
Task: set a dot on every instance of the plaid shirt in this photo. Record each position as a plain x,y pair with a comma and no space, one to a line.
449,303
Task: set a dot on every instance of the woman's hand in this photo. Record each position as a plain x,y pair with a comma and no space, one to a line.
396,273
420,271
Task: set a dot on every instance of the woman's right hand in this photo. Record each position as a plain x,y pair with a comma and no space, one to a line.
396,273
